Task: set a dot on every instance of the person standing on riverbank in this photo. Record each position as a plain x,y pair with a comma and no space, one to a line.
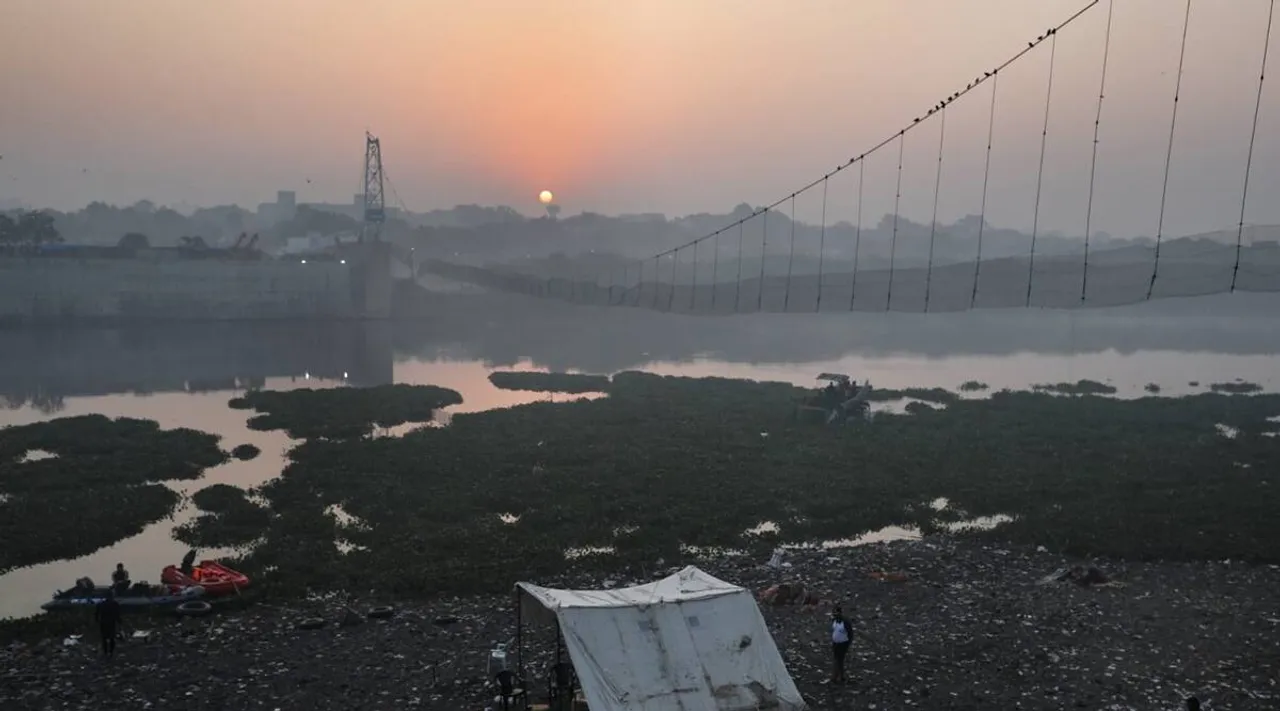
120,578
107,615
841,637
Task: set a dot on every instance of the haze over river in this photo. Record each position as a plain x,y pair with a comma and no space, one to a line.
183,375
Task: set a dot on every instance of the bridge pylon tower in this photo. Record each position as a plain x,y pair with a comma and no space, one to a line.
375,206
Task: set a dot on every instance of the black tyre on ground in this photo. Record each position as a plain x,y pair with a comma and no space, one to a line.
194,608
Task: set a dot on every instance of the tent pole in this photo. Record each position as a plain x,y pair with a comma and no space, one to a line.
519,637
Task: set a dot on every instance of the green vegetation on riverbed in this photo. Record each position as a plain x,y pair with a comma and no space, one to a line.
938,396
94,483
1080,387
664,461
230,518
343,413
574,383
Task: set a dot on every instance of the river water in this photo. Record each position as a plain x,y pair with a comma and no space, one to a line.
184,376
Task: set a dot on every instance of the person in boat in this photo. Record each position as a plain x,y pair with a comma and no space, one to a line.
188,562
120,578
107,615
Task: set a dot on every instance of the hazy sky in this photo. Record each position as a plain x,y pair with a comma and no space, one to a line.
632,105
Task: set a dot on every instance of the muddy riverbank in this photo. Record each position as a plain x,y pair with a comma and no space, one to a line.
971,627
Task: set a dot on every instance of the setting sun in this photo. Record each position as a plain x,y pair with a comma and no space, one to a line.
545,197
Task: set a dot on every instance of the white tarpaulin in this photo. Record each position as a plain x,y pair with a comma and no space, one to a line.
687,642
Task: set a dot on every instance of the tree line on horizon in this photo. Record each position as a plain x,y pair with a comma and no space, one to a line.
472,233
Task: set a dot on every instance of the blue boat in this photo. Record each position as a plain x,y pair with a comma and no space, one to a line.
140,596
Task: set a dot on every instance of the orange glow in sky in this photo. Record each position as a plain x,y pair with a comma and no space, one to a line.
663,105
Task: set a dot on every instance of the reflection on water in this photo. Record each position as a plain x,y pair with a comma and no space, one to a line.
184,376
762,528
345,521
586,551
22,591
889,533
35,455
899,406
1128,373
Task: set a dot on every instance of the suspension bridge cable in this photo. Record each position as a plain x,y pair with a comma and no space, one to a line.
791,258
1253,135
675,275
885,142
764,244
893,242
693,290
657,281
822,244
1044,142
1093,165
639,284
737,290
857,235
715,271
1168,157
640,287
908,127
986,180
933,224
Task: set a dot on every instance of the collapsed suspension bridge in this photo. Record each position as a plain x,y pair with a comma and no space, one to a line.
767,259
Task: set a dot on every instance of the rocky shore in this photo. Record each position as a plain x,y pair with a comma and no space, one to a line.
964,625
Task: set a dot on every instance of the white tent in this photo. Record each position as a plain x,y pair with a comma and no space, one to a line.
687,642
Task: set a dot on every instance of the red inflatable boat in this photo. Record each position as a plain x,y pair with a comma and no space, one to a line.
216,578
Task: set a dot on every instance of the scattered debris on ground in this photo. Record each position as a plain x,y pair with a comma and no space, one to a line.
969,626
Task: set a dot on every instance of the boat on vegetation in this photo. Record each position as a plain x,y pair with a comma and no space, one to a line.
139,596
216,578
840,400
